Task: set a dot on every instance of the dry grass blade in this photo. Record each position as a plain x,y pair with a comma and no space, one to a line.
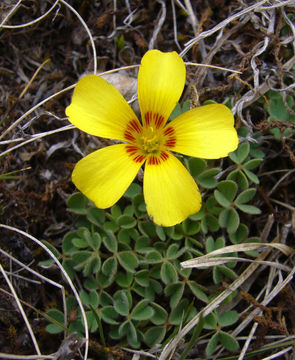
171,346
207,260
65,274
2,25
19,305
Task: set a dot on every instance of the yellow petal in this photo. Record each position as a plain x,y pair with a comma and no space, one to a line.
99,109
161,80
207,132
104,175
170,193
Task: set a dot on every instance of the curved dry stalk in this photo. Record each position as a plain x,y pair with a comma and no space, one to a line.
19,305
65,274
88,32
28,23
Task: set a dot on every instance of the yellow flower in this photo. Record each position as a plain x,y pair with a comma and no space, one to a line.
170,193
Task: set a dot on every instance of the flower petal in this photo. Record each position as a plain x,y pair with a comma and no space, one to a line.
99,109
104,175
207,132
161,80
170,193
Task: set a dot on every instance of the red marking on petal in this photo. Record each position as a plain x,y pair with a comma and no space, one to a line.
133,152
128,136
139,158
134,125
148,117
164,156
159,120
171,142
169,131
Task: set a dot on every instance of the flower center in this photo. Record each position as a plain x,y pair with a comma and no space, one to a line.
150,140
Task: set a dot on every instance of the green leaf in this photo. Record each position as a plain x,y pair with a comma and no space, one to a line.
58,316
252,164
241,153
172,252
109,267
111,226
178,313
133,190
77,204
191,227
160,315
228,318
109,315
210,321
122,302
147,228
229,219
229,273
251,176
222,200
153,257
93,266
196,166
52,248
168,273
128,260
175,292
154,335
161,233
228,189
142,278
249,209
238,177
105,299
228,341
96,216
240,234
80,258
126,222
212,344
207,178
196,290
245,196
110,242
80,243
124,279
67,244
142,311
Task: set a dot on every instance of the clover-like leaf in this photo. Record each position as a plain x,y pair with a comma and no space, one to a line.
126,221
77,203
160,315
245,196
142,311
228,189
197,291
123,279
122,302
96,216
228,318
168,273
207,178
229,219
154,335
128,260
175,292
228,341
110,242
142,278
196,166
212,344
109,315
241,153
109,267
